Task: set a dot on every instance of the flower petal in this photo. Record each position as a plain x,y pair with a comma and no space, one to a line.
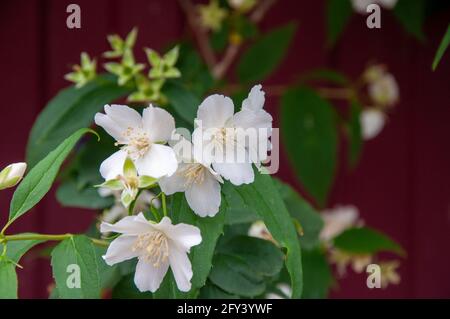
236,173
255,100
372,123
130,225
215,110
113,165
159,161
149,277
158,123
174,183
253,119
204,197
117,120
181,268
120,249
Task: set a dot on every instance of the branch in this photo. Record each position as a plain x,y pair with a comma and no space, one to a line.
222,67
199,32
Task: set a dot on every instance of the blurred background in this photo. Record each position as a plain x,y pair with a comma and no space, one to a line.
401,185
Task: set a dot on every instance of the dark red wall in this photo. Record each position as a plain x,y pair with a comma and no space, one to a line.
401,186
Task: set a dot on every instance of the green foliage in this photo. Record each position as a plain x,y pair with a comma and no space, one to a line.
354,134
264,56
310,136
16,249
76,250
310,221
264,197
317,274
183,101
71,194
126,289
39,180
442,48
338,13
411,14
69,111
238,211
8,280
211,291
365,240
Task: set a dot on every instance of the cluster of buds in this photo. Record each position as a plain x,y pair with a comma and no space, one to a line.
128,71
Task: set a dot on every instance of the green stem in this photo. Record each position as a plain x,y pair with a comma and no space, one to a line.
164,207
48,237
133,204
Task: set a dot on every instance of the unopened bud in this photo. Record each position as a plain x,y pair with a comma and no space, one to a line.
12,174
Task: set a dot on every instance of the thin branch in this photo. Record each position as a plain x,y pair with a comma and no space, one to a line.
199,32
232,51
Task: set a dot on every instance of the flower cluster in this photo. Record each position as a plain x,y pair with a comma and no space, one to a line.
152,154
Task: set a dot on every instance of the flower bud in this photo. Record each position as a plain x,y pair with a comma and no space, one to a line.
12,174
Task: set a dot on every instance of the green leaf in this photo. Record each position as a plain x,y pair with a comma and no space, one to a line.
264,56
126,289
263,256
238,211
201,255
338,14
264,197
8,280
442,48
355,134
317,273
211,291
411,14
79,251
17,248
310,135
327,75
184,102
39,180
71,194
308,217
69,111
365,240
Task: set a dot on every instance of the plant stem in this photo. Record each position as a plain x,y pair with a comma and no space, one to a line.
48,237
164,207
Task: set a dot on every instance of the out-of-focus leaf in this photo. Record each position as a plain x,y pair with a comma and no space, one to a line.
442,48
317,274
411,14
354,134
338,14
310,135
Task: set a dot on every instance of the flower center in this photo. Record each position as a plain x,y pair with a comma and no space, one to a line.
154,247
194,173
138,143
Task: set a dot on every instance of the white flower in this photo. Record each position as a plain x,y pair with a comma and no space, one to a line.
372,123
12,174
118,211
259,230
384,90
157,246
242,5
142,139
337,220
360,6
199,182
221,135
285,291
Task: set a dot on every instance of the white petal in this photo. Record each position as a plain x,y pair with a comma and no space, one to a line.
372,122
120,249
204,198
184,236
117,120
252,119
149,277
174,183
255,100
113,165
215,110
159,161
181,268
236,173
130,225
158,123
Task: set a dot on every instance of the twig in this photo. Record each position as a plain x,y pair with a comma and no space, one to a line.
222,67
199,32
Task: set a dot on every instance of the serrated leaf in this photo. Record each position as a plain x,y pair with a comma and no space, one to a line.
264,197
264,56
79,251
69,111
8,280
365,240
310,135
40,179
445,42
